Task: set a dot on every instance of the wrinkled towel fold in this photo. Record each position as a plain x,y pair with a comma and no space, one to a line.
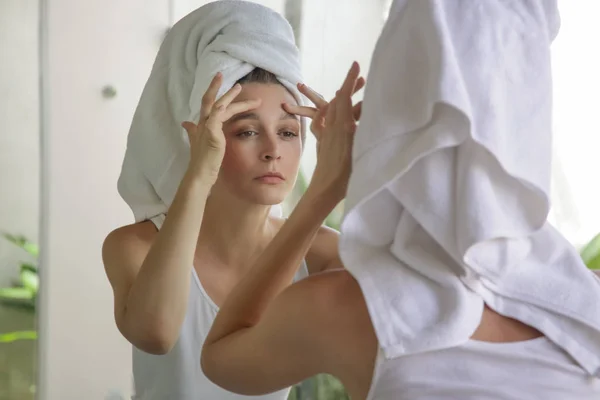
449,195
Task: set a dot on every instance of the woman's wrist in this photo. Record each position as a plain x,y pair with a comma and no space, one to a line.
320,200
197,183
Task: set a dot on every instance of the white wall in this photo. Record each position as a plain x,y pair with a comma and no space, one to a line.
180,8
19,129
576,192
333,35
90,44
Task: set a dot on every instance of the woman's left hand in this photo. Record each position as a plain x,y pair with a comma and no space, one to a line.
334,125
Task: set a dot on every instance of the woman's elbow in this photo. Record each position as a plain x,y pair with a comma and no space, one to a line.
231,376
155,344
155,340
211,366
208,363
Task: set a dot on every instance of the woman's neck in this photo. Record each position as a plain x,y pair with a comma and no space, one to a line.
235,232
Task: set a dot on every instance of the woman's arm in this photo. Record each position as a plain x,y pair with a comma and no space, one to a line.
318,325
237,324
151,277
151,280
323,254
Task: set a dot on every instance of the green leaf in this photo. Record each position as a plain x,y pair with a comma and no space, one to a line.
32,249
30,280
19,335
591,250
594,263
17,293
24,243
19,297
29,267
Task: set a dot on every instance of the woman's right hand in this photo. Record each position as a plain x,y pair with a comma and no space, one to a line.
207,141
334,149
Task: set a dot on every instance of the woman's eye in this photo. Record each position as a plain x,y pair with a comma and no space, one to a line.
288,134
247,134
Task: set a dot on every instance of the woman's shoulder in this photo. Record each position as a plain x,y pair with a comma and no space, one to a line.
137,236
332,310
331,300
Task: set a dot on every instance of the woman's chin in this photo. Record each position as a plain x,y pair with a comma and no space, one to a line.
270,196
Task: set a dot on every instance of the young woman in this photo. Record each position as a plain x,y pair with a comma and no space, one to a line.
172,269
171,274
269,335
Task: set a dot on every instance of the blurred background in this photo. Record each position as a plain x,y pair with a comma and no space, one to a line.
71,74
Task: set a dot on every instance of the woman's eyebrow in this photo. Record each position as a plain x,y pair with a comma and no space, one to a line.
253,116
287,115
248,115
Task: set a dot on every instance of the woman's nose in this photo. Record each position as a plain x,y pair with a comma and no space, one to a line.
270,150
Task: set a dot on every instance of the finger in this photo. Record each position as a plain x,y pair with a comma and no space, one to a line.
317,126
360,83
312,95
351,78
190,129
303,111
228,97
215,118
239,107
331,110
344,95
357,110
208,100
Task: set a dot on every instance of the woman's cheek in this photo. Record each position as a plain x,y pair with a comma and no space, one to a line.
233,161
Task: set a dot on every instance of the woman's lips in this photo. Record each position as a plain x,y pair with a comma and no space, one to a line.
271,179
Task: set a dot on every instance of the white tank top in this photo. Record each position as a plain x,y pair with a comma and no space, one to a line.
529,370
177,375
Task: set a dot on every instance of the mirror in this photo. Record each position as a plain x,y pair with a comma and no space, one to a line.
97,57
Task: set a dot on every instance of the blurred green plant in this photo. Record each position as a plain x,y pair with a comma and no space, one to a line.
23,293
590,253
18,335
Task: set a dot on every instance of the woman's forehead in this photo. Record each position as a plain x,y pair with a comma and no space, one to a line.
270,94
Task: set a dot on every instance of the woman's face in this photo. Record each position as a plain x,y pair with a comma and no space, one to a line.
264,147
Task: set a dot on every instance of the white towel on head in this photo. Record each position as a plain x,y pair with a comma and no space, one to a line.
449,194
228,36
